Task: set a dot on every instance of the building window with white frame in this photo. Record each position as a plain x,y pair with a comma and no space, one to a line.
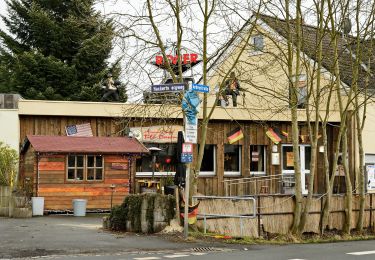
232,160
208,167
257,159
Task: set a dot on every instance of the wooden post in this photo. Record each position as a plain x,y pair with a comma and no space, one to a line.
258,214
177,196
370,210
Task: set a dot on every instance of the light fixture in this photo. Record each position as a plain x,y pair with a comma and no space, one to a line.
321,149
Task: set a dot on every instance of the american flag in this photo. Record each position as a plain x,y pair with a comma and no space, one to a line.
79,130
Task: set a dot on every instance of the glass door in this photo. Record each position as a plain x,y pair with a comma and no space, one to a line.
288,179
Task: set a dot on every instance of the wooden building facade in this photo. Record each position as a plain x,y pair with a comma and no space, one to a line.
61,168
252,165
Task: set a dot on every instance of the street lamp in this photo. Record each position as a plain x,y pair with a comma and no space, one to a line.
154,152
112,190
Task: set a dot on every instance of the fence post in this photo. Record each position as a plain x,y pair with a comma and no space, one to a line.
258,214
371,210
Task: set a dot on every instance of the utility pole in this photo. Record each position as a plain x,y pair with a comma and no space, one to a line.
186,210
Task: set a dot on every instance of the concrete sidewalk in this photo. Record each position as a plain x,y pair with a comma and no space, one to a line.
63,235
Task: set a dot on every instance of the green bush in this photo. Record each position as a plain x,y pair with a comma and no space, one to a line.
8,165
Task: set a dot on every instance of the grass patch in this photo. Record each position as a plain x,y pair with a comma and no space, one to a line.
282,239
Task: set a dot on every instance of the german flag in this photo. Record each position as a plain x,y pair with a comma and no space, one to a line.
273,136
192,216
235,135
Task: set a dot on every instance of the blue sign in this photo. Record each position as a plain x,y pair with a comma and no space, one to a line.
200,88
186,157
162,88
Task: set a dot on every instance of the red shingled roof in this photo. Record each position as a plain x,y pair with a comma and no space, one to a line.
72,144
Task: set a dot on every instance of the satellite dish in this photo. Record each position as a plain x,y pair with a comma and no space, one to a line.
346,25
137,134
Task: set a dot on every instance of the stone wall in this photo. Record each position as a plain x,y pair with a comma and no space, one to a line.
145,213
12,205
4,201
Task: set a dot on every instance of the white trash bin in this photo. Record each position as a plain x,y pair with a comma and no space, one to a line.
79,207
37,206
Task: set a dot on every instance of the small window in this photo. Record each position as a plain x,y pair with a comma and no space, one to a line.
301,88
232,159
94,168
257,44
209,160
257,159
81,167
75,167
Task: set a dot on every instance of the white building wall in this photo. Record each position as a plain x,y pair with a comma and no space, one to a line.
9,128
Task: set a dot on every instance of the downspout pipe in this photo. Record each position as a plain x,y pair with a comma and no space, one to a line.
37,175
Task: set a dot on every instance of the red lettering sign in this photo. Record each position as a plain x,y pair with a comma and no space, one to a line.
185,58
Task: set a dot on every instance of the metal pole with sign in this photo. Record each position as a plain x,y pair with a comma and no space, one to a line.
191,136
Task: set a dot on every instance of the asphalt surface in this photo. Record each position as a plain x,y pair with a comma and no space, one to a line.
67,237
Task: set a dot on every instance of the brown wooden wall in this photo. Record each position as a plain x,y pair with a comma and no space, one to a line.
58,192
254,133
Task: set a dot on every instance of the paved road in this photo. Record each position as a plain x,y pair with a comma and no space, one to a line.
362,250
65,237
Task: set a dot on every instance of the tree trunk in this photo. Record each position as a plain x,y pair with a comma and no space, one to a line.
361,180
348,185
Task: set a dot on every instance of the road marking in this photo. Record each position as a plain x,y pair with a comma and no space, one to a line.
147,258
296,259
362,253
198,253
175,256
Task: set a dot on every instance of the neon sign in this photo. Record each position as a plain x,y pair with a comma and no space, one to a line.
185,58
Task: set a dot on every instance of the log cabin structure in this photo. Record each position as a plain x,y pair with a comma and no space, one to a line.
63,168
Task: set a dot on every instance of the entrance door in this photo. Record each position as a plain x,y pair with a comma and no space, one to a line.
288,167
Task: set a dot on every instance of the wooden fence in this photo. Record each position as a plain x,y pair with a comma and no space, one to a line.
275,214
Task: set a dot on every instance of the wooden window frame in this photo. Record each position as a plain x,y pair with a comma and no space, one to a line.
84,168
234,173
253,173
210,173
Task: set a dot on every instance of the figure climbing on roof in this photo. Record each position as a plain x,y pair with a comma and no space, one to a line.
111,88
232,87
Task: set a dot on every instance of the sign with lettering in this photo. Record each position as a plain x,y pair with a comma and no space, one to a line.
200,88
370,170
119,166
156,134
191,131
173,59
163,88
186,157
187,148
